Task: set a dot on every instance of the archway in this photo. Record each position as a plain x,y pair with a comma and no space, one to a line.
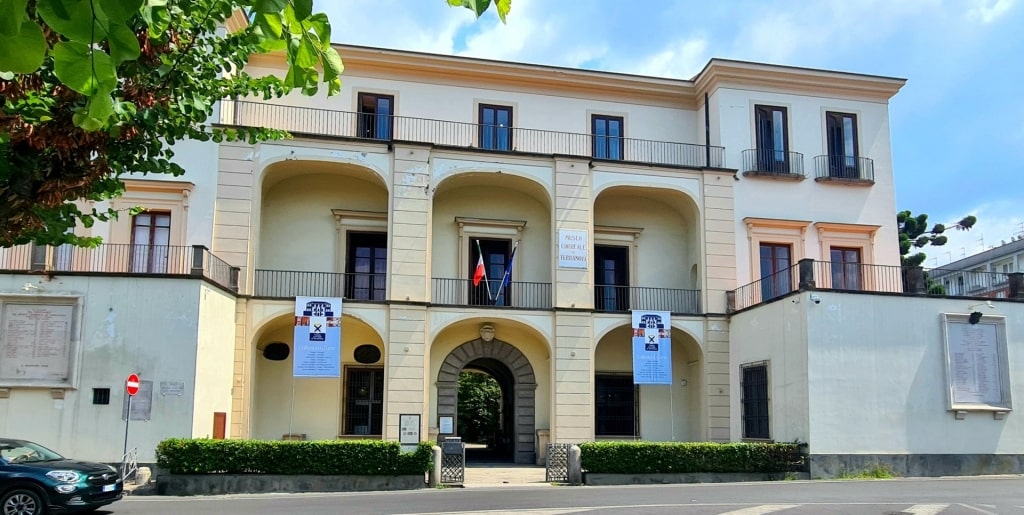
508,365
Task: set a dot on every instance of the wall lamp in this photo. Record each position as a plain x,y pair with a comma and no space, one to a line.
975,316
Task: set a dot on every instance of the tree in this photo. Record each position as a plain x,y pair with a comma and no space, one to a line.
94,89
479,406
914,233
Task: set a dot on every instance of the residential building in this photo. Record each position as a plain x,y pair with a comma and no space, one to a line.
597,195
983,274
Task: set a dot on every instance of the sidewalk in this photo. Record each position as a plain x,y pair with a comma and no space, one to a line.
503,474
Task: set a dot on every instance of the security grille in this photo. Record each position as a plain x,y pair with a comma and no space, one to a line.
557,470
453,463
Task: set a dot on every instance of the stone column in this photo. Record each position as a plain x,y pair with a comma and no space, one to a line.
406,367
573,287
410,224
719,238
573,378
716,379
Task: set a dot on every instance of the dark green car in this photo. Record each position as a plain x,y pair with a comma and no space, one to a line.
35,480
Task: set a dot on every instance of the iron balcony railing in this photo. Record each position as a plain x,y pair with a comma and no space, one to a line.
378,127
518,294
283,284
859,277
836,167
773,162
612,298
120,259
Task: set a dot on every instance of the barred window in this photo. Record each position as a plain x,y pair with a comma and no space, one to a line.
754,384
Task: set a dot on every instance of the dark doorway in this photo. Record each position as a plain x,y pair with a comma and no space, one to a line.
484,411
611,278
496,257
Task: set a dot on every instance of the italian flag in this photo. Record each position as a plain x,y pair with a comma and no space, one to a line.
479,273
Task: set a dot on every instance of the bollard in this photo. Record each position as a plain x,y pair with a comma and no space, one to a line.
575,466
435,472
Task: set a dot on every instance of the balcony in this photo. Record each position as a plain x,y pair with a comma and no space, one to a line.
121,260
776,164
461,135
844,169
518,294
287,284
855,277
620,299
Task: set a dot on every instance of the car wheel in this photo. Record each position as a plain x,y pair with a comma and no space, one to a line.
22,502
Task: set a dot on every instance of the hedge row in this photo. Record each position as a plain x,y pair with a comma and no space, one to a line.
690,457
324,457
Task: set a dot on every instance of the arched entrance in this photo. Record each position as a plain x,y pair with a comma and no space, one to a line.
509,366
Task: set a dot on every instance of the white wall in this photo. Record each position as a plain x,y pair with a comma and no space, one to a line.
142,325
215,357
878,381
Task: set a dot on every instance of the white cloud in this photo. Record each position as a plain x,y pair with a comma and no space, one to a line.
420,26
681,59
998,221
989,11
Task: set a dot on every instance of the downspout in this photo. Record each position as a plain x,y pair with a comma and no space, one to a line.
707,132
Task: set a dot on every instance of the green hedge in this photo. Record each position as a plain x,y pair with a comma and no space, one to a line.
323,457
690,457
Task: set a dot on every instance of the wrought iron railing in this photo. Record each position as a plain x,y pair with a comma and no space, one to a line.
121,259
970,282
775,162
289,283
518,294
346,124
844,167
767,288
612,298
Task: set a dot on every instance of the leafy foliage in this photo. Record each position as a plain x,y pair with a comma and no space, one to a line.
94,89
479,406
324,457
690,457
914,233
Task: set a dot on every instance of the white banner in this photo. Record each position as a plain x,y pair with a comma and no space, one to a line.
317,346
652,347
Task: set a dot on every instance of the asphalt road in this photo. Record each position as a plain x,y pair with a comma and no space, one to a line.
1003,495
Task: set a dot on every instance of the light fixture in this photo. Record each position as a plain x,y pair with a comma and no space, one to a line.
975,316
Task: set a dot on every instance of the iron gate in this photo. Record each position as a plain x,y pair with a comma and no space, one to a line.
453,461
557,469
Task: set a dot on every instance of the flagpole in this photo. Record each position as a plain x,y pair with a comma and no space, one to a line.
479,259
505,278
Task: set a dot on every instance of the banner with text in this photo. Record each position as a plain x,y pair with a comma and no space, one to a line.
317,348
652,347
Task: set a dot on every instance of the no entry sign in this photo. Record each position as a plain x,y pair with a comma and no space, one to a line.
131,386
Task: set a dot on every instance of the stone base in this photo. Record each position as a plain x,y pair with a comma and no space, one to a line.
823,466
221,484
591,479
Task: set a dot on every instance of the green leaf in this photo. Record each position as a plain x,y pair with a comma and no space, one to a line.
269,6
303,9
322,27
12,16
271,23
503,6
120,10
25,52
83,70
157,16
305,54
97,112
77,20
124,46
479,7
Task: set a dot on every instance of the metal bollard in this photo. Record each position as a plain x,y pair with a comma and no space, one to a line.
435,472
575,466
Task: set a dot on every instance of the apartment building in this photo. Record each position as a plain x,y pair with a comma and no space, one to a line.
506,218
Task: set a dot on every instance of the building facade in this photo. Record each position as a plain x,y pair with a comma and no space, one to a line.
584,196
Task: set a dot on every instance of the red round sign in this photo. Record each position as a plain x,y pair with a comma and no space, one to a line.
131,386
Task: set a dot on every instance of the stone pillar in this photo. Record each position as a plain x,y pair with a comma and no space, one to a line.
720,239
525,406
806,267
1016,285
241,394
573,378
410,224
716,379
573,287
915,282
234,207
406,366
543,437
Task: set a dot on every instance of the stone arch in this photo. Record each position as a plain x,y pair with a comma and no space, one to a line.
524,386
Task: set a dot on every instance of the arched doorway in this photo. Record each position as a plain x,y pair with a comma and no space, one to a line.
513,371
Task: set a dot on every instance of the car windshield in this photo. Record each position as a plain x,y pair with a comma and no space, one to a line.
26,452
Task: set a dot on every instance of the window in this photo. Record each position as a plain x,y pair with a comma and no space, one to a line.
151,234
614,405
772,139
367,265
101,395
376,115
845,268
495,127
607,136
611,278
497,257
364,401
776,279
841,133
754,386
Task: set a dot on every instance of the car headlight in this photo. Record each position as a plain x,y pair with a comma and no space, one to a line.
64,476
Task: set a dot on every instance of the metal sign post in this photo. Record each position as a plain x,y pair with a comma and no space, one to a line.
131,387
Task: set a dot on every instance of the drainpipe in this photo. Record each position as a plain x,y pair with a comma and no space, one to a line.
707,131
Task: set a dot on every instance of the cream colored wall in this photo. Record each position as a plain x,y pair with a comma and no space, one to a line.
535,350
807,199
318,402
776,333
298,230
881,387
215,351
533,257
147,326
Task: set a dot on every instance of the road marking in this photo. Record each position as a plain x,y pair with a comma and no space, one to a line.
761,510
979,510
553,511
926,509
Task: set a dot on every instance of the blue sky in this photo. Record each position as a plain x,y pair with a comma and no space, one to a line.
957,126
